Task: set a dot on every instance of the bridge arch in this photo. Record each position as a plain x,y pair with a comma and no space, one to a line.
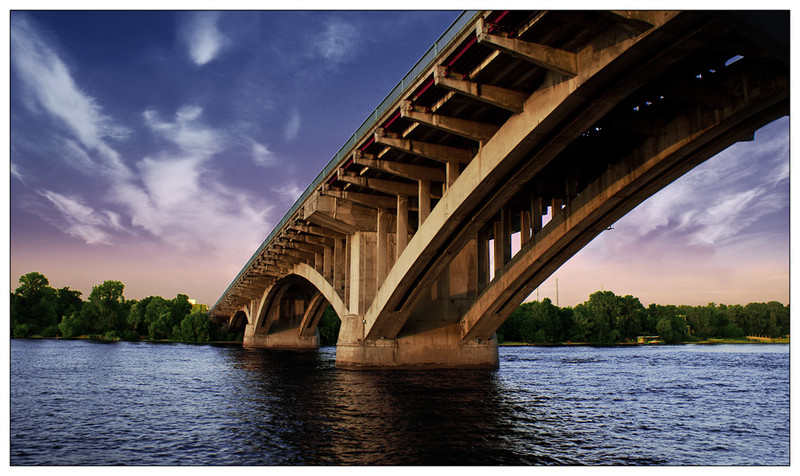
288,312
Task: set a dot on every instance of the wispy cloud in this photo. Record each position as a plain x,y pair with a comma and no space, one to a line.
336,41
203,38
50,88
17,173
292,126
717,203
174,194
179,197
186,131
262,155
80,220
289,192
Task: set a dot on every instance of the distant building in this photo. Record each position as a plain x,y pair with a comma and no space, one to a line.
648,340
198,307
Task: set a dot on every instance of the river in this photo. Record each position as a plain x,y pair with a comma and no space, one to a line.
88,403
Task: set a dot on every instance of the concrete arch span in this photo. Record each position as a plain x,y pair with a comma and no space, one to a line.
287,314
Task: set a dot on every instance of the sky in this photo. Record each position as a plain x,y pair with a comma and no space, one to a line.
160,148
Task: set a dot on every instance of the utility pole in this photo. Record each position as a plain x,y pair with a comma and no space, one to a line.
557,293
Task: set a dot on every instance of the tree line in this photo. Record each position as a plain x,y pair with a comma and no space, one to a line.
37,309
40,310
610,319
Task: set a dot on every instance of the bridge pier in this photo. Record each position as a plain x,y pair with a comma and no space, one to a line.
436,348
282,339
431,337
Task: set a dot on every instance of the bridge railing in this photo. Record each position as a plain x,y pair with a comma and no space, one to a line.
464,19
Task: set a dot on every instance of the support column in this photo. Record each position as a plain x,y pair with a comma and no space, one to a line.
536,214
483,259
506,219
525,226
339,266
327,263
355,272
498,246
424,200
382,258
452,172
402,224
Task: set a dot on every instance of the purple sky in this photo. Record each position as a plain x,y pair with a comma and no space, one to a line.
160,148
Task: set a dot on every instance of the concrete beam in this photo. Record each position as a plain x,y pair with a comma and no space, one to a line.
386,186
494,95
365,199
409,171
438,152
477,131
554,59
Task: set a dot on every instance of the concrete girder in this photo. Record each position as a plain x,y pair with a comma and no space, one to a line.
380,185
437,152
315,230
477,131
408,171
316,240
342,216
290,250
494,95
303,246
365,199
561,61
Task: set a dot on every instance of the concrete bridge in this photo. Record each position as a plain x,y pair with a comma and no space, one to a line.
547,124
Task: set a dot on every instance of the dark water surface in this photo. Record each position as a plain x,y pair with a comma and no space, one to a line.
86,403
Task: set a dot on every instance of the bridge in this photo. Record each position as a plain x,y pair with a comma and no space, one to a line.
548,125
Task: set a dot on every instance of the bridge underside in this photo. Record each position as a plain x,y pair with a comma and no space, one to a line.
546,125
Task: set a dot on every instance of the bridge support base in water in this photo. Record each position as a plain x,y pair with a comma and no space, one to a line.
439,348
286,340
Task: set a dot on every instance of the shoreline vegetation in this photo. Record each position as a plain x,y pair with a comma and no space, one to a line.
605,319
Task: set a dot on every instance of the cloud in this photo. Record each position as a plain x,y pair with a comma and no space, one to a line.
178,196
292,127
262,155
50,88
186,132
715,206
17,173
337,42
203,38
289,192
80,220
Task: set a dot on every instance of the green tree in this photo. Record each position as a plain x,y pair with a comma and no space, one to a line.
33,306
105,311
71,326
598,317
196,327
137,323
158,317
69,301
328,327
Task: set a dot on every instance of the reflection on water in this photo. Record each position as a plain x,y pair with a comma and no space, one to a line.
83,403
371,417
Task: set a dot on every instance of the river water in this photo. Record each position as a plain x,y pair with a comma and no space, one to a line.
87,403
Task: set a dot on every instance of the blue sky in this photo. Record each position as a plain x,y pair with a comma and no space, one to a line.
160,148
